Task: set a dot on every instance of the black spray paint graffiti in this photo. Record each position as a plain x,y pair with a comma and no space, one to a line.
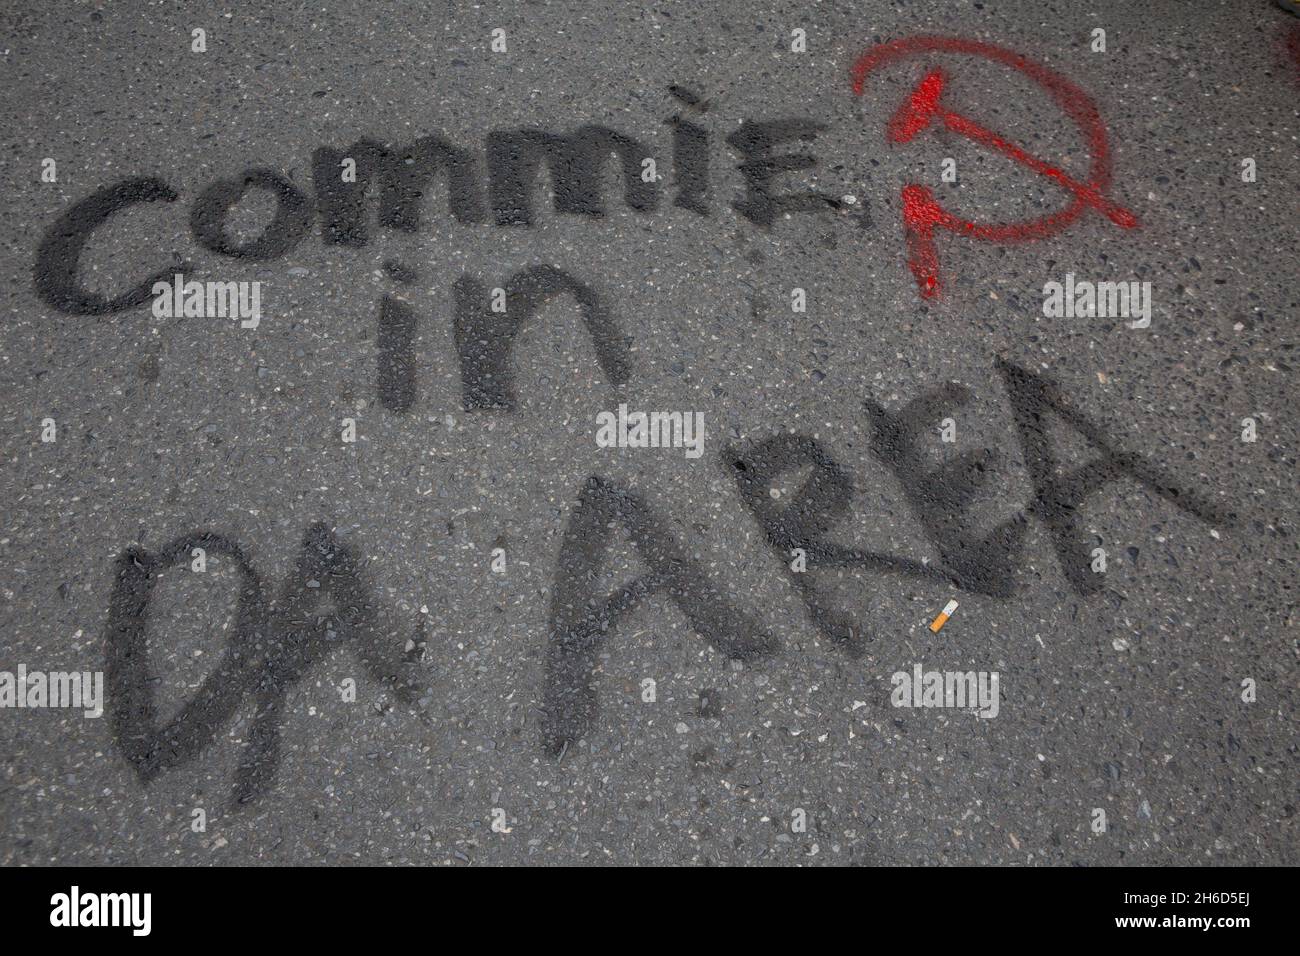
807,519
1057,498
755,141
59,254
581,620
484,338
939,498
273,646
402,175
402,178
323,607
397,182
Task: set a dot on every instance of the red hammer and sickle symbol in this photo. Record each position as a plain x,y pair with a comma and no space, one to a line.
922,213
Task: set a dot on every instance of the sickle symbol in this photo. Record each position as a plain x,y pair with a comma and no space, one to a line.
922,213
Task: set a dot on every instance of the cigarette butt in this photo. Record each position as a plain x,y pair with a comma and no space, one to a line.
942,619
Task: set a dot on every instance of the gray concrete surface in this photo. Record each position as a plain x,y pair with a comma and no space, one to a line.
1127,699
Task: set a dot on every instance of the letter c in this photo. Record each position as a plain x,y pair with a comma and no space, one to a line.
59,254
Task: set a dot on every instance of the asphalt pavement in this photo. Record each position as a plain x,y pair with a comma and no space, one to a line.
363,580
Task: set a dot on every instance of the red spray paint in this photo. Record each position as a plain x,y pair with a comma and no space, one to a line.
922,213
